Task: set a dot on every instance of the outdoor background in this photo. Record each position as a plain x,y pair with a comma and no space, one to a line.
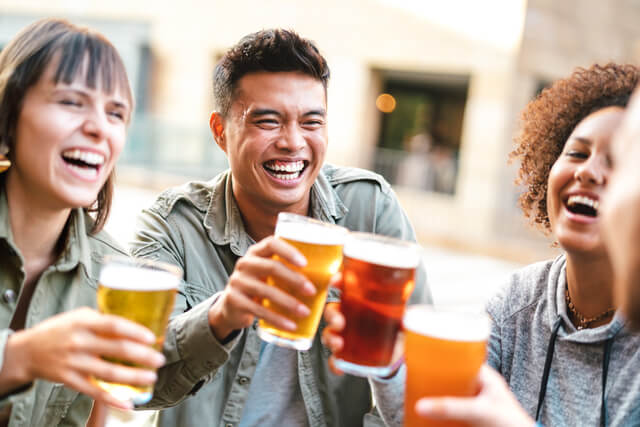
425,92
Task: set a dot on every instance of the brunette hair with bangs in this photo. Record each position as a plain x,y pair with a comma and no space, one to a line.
274,50
76,50
547,122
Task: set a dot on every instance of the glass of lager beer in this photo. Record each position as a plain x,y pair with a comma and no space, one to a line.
444,350
378,276
142,291
321,244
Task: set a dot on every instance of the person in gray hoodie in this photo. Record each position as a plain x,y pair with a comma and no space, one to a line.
557,340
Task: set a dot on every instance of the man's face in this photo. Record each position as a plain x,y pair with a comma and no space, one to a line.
620,218
275,136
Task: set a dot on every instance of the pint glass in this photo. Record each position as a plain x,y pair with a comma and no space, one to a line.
378,276
142,291
321,244
444,351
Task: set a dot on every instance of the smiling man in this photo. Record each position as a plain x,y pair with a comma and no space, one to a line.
271,121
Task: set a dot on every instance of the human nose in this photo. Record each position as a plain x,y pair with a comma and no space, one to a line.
292,139
594,171
95,125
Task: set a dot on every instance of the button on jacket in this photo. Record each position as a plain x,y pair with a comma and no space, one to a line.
198,227
69,283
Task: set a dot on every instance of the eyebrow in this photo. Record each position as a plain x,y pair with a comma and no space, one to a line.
267,111
583,140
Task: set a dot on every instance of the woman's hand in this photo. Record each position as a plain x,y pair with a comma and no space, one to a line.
68,349
494,406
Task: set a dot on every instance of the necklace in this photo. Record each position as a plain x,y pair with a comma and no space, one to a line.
584,322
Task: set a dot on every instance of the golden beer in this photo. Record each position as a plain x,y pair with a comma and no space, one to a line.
444,351
143,292
321,244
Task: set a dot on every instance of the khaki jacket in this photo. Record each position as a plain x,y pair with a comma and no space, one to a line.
198,227
69,283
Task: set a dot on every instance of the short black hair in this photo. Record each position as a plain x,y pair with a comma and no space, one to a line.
274,50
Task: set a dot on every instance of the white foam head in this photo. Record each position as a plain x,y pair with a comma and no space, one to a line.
448,325
307,230
133,278
381,250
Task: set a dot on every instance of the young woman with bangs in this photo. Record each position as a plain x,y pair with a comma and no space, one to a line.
65,103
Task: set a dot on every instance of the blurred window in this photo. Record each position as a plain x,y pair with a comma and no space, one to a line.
420,131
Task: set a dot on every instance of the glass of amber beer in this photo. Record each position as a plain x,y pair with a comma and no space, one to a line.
321,244
142,291
444,350
378,276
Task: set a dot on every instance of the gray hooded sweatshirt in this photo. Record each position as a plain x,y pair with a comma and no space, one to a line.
593,375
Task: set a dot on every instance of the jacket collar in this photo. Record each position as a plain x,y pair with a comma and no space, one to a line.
77,249
224,221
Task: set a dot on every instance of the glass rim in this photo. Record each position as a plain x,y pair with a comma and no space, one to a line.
290,216
149,264
382,238
478,319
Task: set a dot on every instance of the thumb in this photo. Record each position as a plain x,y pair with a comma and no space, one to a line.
447,408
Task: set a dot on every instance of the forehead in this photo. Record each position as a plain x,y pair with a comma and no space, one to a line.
82,75
279,90
599,125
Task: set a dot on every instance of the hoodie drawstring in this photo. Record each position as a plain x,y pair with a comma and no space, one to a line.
605,370
547,367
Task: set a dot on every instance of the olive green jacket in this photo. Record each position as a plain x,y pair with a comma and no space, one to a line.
69,283
198,227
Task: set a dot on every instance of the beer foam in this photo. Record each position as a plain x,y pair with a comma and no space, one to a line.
447,325
131,278
382,253
311,232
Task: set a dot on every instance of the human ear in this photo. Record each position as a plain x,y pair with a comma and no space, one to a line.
216,123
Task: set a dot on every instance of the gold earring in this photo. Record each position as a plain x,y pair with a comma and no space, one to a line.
5,163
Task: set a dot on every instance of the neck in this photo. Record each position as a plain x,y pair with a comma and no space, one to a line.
36,227
589,280
260,221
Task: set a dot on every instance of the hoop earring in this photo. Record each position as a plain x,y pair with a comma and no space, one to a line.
5,163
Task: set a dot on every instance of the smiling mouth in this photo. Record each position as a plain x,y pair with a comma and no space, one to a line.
86,163
583,205
285,170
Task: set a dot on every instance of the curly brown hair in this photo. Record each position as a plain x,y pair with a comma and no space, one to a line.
548,120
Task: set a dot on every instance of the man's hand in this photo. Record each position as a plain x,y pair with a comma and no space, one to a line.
494,406
68,349
241,299
331,337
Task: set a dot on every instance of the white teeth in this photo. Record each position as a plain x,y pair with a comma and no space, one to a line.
287,176
583,200
286,167
87,157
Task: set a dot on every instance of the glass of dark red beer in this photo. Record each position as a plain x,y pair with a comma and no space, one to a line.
378,274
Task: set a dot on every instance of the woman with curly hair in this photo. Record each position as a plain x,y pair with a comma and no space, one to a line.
557,338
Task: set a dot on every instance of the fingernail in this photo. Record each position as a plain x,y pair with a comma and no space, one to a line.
303,310
299,260
160,360
288,324
423,406
150,337
309,289
151,377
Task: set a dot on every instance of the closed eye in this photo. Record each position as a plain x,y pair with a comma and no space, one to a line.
70,102
577,154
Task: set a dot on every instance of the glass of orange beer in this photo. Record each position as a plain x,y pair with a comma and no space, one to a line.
378,276
321,244
444,350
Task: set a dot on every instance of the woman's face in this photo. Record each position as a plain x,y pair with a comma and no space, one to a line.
67,140
577,181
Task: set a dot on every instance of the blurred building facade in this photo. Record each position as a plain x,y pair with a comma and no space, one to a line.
427,94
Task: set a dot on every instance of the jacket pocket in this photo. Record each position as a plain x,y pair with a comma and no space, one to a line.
60,399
